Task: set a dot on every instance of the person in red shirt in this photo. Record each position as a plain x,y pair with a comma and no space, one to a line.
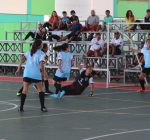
53,22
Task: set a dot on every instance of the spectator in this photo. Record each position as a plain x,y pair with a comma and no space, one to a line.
73,16
130,18
107,19
75,31
65,22
116,44
92,22
53,22
40,33
146,20
96,46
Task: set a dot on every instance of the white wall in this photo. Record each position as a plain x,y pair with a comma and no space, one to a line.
83,7
13,6
100,6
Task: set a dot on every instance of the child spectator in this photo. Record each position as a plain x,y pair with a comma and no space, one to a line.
73,16
65,22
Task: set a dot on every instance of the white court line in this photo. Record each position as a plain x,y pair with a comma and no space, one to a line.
107,93
7,103
119,133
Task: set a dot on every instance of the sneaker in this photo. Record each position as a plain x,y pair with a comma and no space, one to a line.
18,94
54,95
61,94
91,95
141,91
20,110
44,109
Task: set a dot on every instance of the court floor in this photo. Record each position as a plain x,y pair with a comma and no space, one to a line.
112,114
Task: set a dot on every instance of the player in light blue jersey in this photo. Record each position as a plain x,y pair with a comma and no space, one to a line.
65,61
33,72
46,83
146,70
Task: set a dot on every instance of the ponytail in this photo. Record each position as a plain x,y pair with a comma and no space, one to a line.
35,46
62,47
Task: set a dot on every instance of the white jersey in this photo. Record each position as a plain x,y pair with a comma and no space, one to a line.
96,44
117,42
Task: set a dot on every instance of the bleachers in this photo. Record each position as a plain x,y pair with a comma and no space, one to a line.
118,67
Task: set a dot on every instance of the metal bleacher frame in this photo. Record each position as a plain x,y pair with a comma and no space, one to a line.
10,52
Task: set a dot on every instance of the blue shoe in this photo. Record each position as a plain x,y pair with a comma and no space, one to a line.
54,95
61,94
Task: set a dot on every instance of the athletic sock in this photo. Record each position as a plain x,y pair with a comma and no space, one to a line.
58,87
22,101
142,84
42,99
46,85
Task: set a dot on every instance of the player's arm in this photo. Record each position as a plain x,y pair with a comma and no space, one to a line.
22,60
135,50
79,65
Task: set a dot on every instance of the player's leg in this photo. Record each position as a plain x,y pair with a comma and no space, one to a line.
41,96
142,81
23,95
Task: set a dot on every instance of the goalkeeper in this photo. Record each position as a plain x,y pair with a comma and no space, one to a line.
84,79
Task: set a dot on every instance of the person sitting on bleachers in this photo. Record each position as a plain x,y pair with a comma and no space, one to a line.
146,20
130,18
96,46
53,22
73,16
92,22
40,33
107,19
75,31
116,44
65,22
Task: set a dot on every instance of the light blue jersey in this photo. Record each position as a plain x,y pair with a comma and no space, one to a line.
32,67
66,58
146,53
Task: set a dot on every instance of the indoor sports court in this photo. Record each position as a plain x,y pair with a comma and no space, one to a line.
112,114
75,70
